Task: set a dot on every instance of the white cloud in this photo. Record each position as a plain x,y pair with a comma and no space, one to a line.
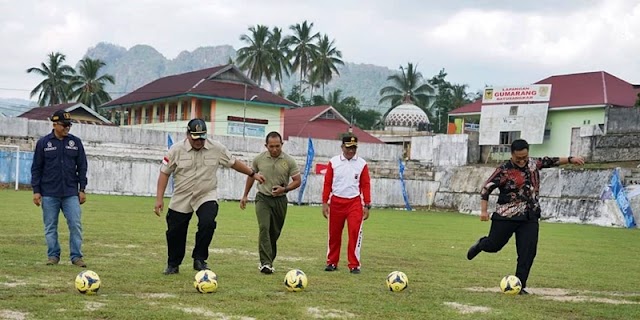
477,42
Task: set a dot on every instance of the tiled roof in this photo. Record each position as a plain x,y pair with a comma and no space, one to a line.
205,82
579,89
305,122
75,108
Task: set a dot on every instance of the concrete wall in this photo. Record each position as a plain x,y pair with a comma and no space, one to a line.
623,120
441,150
565,195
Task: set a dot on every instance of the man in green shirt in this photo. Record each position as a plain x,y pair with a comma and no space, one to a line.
281,175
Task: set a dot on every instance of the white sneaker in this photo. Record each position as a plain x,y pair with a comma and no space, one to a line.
266,269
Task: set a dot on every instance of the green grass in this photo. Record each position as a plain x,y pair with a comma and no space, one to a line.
125,244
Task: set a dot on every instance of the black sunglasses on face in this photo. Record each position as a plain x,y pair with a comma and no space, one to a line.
66,125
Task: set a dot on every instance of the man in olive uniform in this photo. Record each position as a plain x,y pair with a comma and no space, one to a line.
193,163
281,175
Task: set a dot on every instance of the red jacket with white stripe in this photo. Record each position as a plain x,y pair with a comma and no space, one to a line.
347,179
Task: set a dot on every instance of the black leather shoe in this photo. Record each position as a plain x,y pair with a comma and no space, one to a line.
474,250
331,267
523,291
355,270
200,265
171,270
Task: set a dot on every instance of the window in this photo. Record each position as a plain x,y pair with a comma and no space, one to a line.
507,137
328,115
586,122
513,111
547,134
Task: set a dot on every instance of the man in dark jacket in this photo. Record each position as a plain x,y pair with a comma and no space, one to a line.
58,179
517,209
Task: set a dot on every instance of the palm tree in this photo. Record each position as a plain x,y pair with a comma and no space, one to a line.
256,56
88,87
407,86
460,97
279,51
304,50
54,89
326,61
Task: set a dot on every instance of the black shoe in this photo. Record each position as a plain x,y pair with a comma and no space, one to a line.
266,269
355,270
474,250
331,267
171,270
523,291
199,265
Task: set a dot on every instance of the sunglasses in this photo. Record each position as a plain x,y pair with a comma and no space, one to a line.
66,125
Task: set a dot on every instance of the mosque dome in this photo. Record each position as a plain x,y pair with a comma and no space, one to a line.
406,115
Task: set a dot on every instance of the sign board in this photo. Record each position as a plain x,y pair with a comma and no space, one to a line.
531,93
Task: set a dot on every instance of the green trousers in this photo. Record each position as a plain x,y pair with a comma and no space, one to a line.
271,213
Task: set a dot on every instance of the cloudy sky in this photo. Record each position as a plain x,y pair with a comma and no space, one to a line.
477,42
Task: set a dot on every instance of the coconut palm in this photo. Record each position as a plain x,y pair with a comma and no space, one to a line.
256,56
326,61
54,89
88,85
407,86
279,51
303,49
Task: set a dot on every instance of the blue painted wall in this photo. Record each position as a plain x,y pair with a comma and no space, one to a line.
8,166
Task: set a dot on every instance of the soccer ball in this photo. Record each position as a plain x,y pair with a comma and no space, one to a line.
88,282
397,281
295,280
510,285
206,281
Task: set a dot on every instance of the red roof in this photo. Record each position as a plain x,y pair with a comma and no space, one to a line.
203,82
307,122
579,89
78,112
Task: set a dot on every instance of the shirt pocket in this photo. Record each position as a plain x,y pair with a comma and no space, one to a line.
210,161
185,163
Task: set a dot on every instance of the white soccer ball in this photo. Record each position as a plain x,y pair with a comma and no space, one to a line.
88,282
206,281
510,285
295,280
397,281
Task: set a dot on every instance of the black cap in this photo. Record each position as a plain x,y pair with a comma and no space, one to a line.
350,141
197,128
61,116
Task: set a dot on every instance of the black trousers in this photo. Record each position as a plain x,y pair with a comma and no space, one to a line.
178,226
526,243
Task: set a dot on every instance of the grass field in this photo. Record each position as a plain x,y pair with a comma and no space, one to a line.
581,272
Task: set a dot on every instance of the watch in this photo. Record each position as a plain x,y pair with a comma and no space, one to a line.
82,190
569,159
368,206
253,173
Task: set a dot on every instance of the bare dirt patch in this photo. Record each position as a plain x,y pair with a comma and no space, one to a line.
13,315
467,309
93,306
319,313
565,295
157,295
211,315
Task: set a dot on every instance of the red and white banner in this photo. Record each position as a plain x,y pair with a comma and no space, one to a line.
537,93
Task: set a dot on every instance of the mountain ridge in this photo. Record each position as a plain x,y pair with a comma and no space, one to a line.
141,64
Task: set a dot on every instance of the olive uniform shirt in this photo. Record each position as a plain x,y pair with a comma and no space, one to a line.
276,171
194,173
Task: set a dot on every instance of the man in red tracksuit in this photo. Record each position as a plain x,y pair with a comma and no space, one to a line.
346,197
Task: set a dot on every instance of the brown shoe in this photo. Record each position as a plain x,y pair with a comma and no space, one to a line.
52,261
78,262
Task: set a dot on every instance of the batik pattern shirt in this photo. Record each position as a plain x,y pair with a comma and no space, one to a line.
519,189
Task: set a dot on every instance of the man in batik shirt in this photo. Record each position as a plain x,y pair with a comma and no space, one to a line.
517,209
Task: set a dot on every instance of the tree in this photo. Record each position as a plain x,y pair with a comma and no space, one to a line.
88,85
279,51
304,50
449,96
54,89
349,108
326,61
297,95
407,85
256,56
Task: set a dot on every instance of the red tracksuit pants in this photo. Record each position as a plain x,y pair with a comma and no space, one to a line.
341,210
